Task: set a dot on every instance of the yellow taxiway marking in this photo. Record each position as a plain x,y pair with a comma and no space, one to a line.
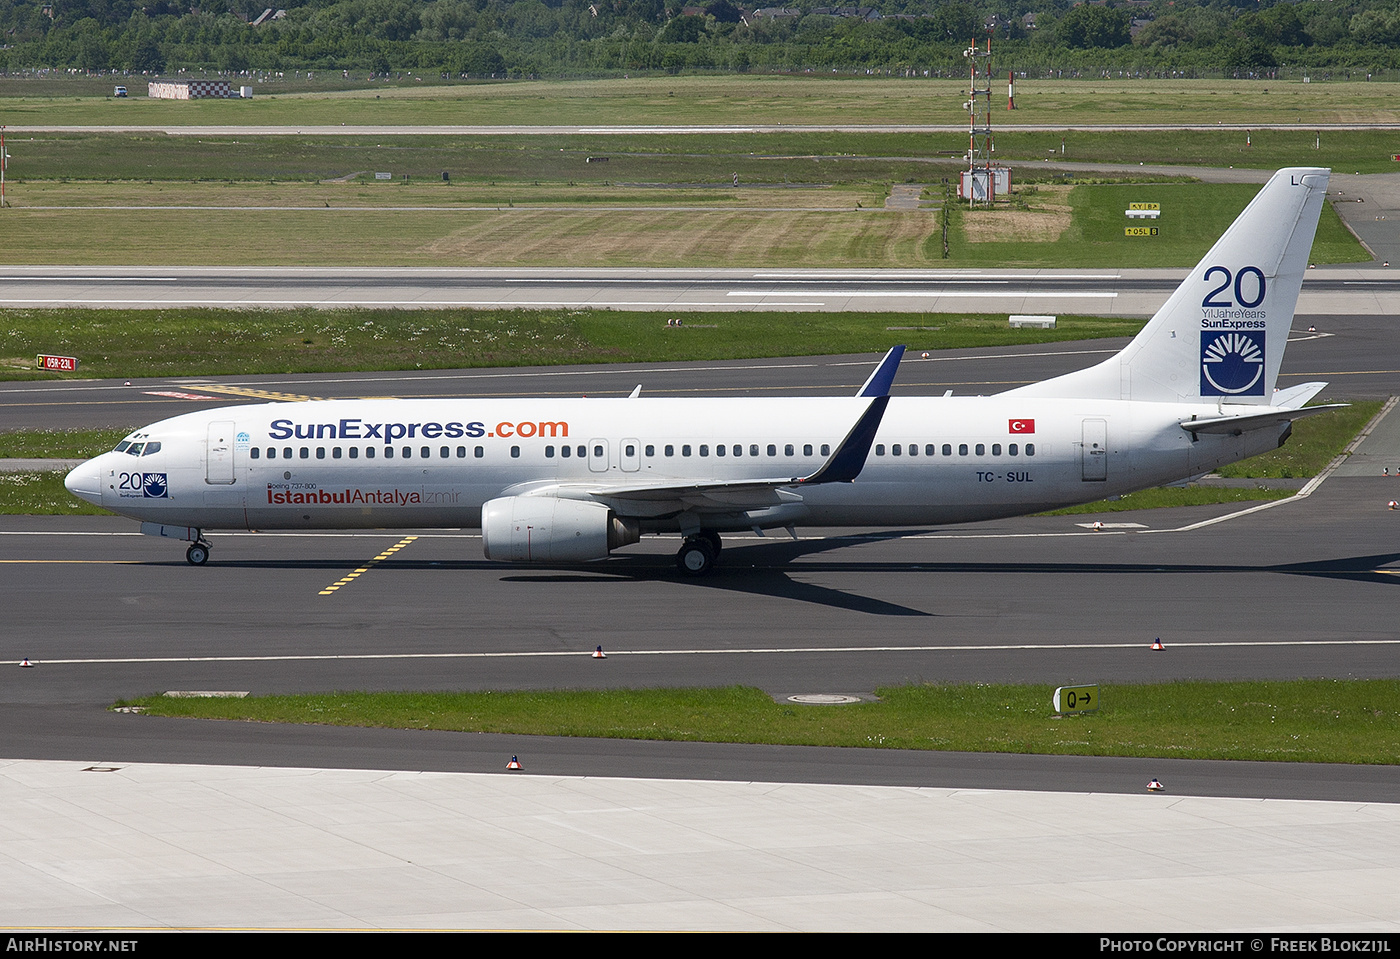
351,577
256,394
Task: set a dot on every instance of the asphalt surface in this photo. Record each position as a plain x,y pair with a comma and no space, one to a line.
1335,290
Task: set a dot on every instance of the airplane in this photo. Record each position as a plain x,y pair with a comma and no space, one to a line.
562,481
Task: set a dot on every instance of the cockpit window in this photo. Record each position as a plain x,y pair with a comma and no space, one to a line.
135,449
151,447
121,447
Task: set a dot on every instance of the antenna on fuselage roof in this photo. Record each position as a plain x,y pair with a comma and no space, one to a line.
635,393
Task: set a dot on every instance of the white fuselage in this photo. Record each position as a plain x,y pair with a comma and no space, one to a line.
434,463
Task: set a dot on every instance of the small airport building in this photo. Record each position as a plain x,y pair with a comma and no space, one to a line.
189,89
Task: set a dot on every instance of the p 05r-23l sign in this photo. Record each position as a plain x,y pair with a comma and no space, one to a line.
62,364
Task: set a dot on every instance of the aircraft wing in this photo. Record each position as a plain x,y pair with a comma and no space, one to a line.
842,466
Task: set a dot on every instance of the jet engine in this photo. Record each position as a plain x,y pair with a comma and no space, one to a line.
545,529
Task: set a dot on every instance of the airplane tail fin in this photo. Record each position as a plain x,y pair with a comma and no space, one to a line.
1220,337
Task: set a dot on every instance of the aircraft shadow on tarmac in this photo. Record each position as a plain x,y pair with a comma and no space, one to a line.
762,569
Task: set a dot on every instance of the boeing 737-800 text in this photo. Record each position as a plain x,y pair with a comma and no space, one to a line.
570,480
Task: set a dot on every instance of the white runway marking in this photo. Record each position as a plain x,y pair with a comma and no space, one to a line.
755,651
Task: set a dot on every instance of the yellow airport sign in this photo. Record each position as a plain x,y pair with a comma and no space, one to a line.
1140,230
1144,206
1076,699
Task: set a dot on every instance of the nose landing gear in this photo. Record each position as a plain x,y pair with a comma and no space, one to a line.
198,553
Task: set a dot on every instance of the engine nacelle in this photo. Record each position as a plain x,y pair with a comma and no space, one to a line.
545,529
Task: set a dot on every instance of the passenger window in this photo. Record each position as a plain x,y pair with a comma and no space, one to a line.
1030,449
913,449
597,451
670,450
753,449
461,452
807,450
426,452
1011,449
930,449
896,449
719,450
962,449
583,451
650,450
704,449
320,452
981,449
629,450
406,452
388,452
286,452
996,449
305,453
879,449
826,449
685,450
948,449
738,450
354,452
253,453
549,452
789,450
479,452
566,451
772,450
335,453
515,452
444,453
369,452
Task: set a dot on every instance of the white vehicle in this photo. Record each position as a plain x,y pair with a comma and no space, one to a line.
569,480
119,91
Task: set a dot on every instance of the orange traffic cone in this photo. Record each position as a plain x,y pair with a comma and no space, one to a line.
514,763
1157,643
25,662
1155,787
599,654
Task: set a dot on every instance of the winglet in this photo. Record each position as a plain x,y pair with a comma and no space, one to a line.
848,460
880,380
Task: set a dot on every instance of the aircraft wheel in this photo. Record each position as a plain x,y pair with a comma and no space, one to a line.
695,557
197,555
711,537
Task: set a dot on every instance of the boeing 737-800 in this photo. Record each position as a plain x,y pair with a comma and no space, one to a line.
569,480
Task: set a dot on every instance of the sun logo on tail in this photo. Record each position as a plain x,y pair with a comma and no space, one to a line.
1232,364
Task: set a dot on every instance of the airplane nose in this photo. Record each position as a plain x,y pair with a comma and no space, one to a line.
85,482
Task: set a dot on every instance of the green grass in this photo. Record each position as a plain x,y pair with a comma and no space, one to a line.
1194,216
58,444
1314,443
739,100
1161,497
1353,721
199,342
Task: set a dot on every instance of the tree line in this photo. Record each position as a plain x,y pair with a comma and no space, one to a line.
516,38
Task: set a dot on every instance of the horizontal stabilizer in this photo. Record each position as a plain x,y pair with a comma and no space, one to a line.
1235,425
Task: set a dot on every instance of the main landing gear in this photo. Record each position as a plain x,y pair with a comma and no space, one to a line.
698,553
198,553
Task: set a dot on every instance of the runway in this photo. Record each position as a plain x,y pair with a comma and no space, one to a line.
1349,290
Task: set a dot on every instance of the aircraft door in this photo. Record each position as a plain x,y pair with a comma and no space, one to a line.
598,456
631,456
219,462
1093,454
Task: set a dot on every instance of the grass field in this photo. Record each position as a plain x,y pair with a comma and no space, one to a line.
196,342
556,223
1355,721
730,100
